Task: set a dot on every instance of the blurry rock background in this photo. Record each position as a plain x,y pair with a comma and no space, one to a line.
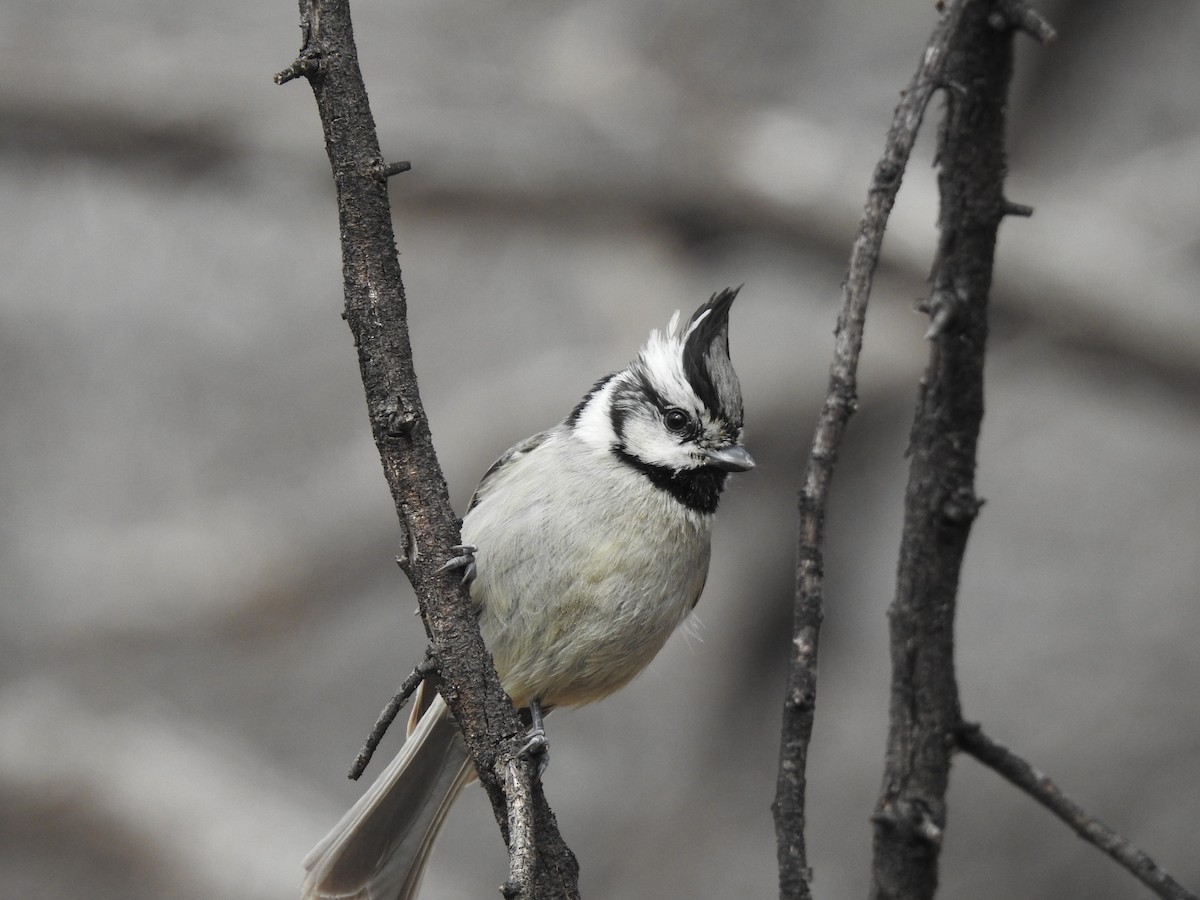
200,614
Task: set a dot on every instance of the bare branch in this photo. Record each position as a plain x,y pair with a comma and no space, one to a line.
840,403
972,740
420,672
940,503
377,315
970,55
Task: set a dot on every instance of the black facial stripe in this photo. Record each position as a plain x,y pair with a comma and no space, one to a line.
617,414
647,391
631,393
697,489
578,410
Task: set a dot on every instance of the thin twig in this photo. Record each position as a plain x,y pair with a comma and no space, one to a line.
1018,14
423,670
840,403
971,739
387,170
302,67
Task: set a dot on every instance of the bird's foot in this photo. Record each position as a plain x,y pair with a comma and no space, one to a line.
537,745
465,560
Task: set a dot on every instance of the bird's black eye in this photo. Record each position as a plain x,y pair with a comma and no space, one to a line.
676,420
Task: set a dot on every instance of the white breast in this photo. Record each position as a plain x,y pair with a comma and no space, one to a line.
584,570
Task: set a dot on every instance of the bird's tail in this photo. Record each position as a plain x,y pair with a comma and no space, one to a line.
379,849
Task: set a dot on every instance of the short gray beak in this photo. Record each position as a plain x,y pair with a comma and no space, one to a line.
731,459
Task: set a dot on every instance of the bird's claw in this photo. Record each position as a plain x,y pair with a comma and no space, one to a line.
465,560
537,749
537,745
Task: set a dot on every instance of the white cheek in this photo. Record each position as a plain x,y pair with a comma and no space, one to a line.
650,443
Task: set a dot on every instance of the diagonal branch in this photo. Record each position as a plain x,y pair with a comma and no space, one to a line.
377,315
840,403
425,668
972,740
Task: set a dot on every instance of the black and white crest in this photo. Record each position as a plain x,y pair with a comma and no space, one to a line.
706,360
675,413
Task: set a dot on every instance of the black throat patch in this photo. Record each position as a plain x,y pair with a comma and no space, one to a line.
697,489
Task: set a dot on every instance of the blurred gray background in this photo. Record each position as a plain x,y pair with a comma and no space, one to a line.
200,612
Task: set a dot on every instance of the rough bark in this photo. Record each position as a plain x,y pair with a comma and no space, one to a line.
376,313
940,503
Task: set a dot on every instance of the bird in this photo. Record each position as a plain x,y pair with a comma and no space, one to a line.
584,546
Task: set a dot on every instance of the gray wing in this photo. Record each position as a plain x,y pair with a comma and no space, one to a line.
525,446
